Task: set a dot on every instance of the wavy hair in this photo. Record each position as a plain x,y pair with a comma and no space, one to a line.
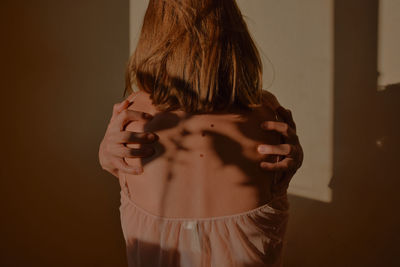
197,56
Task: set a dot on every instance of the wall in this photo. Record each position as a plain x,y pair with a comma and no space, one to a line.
360,226
388,44
296,41
62,70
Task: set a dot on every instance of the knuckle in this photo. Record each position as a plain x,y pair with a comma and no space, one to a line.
115,163
285,128
144,115
267,125
288,149
119,152
124,113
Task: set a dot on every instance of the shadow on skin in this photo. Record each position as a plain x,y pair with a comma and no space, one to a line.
221,143
167,120
143,253
235,157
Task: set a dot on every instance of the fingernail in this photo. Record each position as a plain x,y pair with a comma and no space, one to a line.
261,149
263,165
150,136
139,170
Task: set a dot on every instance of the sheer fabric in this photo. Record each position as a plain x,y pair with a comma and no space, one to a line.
247,239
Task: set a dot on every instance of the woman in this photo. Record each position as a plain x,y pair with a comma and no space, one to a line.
203,195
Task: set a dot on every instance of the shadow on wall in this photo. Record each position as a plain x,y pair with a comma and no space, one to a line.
394,86
360,226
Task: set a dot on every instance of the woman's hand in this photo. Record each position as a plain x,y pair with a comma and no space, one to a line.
291,150
112,148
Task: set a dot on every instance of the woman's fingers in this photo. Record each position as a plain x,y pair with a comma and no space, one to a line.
289,151
113,150
128,115
121,151
128,137
282,149
124,167
118,108
286,114
126,152
283,165
283,128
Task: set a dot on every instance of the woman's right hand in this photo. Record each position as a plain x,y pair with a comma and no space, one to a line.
112,148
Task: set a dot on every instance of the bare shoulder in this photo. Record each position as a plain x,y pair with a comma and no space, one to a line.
141,102
246,122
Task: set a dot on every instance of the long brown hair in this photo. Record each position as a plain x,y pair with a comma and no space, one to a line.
197,56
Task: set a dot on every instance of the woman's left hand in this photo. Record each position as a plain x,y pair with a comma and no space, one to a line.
291,150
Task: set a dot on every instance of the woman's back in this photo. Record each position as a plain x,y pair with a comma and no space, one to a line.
203,199
205,165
